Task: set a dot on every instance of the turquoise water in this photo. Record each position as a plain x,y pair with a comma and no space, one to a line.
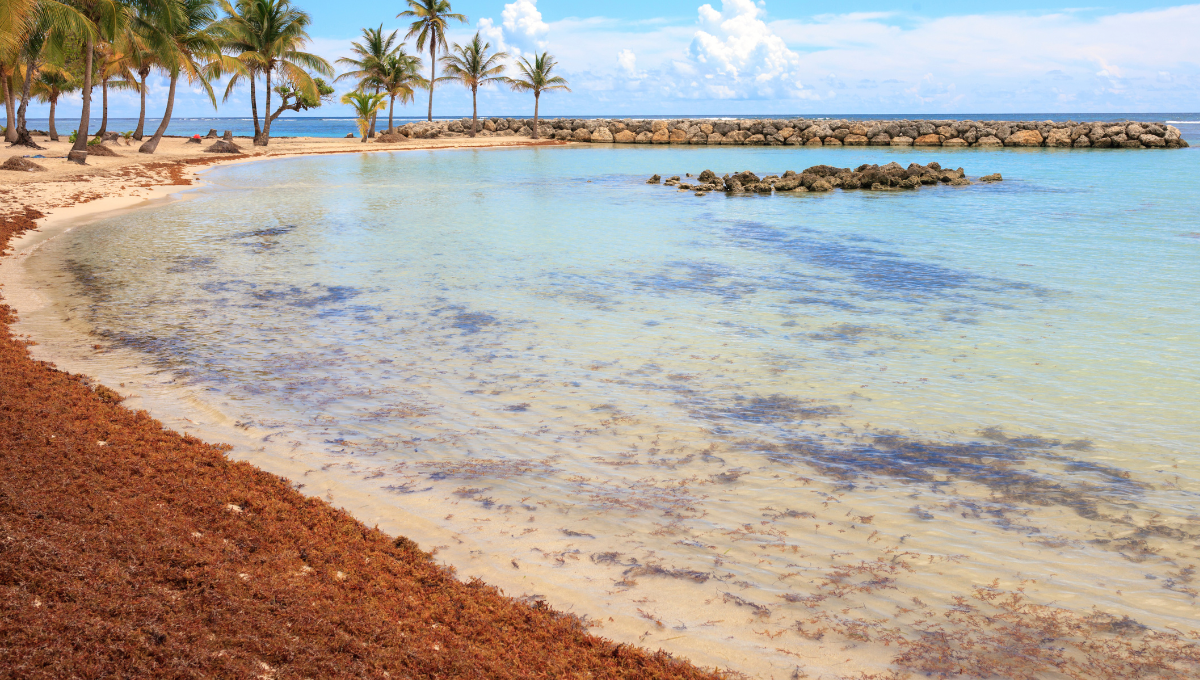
659,399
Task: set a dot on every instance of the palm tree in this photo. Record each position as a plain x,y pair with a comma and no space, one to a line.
29,30
104,18
370,60
537,78
366,106
399,80
430,29
265,36
53,82
114,72
140,60
185,44
472,66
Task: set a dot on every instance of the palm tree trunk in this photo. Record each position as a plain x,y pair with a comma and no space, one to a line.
104,109
23,136
374,115
254,109
391,110
151,144
432,76
138,134
266,131
10,130
536,97
474,112
78,152
53,131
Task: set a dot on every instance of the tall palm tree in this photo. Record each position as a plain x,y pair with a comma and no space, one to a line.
472,66
430,29
53,82
537,78
369,60
114,72
266,36
28,32
400,80
104,20
366,106
141,60
184,42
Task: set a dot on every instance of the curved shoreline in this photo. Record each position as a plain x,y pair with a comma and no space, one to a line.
57,423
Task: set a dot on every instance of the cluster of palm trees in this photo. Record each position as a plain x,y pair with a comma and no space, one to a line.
49,48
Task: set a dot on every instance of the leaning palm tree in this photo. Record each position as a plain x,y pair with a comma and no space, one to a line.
366,105
472,66
430,29
369,61
39,30
114,73
183,40
53,82
400,80
537,78
104,19
265,37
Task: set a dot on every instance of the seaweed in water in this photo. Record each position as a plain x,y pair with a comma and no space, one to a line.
771,409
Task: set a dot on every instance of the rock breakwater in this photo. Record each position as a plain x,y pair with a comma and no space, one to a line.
818,132
821,178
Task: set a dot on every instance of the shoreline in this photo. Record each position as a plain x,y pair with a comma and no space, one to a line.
34,228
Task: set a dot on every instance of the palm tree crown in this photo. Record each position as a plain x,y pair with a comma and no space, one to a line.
430,29
537,77
472,66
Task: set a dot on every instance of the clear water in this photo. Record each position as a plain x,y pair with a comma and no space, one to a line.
687,415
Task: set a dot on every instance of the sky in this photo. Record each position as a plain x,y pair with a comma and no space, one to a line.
772,57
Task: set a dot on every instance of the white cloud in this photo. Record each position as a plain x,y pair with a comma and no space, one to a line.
627,60
736,55
523,26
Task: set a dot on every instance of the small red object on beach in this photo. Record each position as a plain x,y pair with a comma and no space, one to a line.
195,136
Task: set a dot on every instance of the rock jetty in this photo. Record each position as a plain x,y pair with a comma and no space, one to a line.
820,178
818,132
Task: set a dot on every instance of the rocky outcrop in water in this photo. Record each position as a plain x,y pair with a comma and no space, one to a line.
822,178
820,132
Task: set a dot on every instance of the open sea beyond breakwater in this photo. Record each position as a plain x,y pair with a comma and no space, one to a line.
766,432
333,126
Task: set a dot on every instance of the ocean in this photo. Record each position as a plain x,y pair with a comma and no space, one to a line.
314,126
779,434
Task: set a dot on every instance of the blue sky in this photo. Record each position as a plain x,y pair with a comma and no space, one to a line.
774,57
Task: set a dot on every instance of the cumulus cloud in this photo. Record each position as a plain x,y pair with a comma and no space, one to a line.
521,30
627,61
736,55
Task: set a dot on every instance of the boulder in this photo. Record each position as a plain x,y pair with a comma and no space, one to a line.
1152,141
349,135
992,141
662,136
654,179
855,140
910,183
624,137
857,130
678,136
658,126
1131,144
832,141
928,140
698,138
814,141
961,182
902,141
716,138
524,131
601,135
994,177
1059,137
881,139
1172,133
1024,138
19,164
1102,143
707,177
706,128
563,135
820,185
489,125
643,138
455,126
582,135
957,141
1082,142
755,140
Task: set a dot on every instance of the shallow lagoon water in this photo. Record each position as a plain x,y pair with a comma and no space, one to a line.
723,421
